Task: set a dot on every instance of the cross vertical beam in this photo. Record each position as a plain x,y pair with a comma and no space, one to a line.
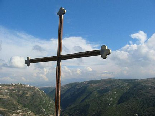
61,12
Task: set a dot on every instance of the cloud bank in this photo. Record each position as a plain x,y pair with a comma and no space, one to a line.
134,60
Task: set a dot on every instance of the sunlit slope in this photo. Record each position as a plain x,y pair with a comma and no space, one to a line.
19,99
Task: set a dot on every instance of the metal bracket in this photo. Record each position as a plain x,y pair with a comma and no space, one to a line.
27,61
104,51
61,11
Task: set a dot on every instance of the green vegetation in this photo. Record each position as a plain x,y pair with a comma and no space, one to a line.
108,97
19,99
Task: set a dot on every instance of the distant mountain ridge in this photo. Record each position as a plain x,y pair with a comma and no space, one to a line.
107,97
24,100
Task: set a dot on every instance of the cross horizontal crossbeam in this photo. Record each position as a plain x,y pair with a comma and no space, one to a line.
101,52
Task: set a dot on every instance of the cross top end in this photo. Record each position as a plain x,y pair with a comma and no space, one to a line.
61,11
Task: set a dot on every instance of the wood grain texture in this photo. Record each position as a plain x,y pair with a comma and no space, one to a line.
58,69
67,56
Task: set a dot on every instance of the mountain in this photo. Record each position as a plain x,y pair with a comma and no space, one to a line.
24,100
108,97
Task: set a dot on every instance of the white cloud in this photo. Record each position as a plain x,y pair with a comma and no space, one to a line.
66,69
38,48
89,69
141,36
138,58
78,71
134,60
44,77
76,44
18,62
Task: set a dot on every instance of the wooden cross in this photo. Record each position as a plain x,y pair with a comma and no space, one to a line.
103,52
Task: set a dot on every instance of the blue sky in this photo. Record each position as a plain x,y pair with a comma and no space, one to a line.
103,21
30,28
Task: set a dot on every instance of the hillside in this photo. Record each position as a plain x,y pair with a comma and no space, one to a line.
24,100
108,97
